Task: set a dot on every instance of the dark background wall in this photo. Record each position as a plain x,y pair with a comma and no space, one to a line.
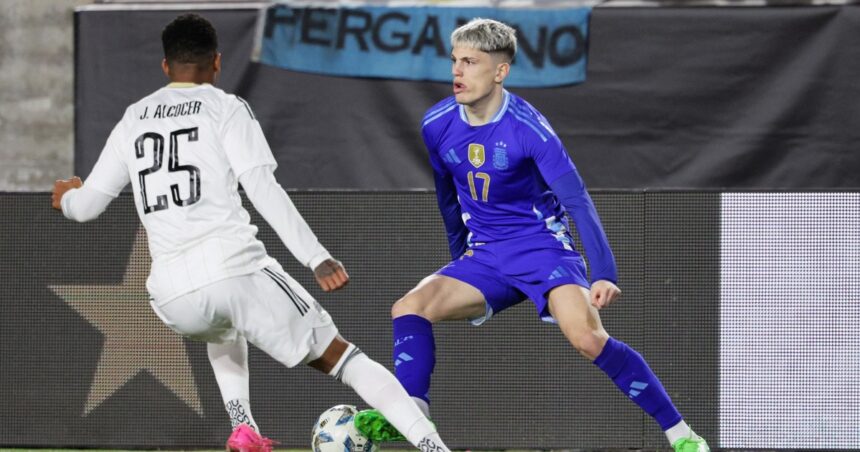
674,98
86,363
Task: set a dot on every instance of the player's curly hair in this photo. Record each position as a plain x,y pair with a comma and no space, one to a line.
486,35
189,39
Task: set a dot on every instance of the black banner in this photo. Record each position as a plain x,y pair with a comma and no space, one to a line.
675,97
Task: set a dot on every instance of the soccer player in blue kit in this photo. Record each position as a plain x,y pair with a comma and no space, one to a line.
504,182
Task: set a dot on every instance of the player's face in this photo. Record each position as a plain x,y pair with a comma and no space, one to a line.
476,74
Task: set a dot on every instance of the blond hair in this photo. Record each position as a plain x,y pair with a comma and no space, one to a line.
486,35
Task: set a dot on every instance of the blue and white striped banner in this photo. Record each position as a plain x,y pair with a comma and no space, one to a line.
413,43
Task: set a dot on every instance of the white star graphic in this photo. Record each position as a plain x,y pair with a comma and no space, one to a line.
135,339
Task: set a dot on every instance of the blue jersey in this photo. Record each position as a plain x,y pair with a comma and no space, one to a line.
493,181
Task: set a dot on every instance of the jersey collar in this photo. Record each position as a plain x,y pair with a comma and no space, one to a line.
498,116
182,85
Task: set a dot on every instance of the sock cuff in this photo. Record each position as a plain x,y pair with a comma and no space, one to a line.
411,324
420,429
239,411
612,358
351,352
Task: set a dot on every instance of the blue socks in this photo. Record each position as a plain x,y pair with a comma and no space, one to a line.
629,371
414,354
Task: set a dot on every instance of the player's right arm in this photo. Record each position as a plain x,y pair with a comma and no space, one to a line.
446,197
449,208
86,201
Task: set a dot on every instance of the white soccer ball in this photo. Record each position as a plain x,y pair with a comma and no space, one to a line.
335,432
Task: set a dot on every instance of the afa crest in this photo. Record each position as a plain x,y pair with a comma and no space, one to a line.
476,154
500,156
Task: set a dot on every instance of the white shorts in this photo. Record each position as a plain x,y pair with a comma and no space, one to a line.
269,308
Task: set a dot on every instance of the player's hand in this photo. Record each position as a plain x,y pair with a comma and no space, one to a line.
603,293
61,187
331,275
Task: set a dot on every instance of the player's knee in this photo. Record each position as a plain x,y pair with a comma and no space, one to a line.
413,303
589,343
328,359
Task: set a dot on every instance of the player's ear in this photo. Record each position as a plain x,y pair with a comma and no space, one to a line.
502,71
216,65
165,67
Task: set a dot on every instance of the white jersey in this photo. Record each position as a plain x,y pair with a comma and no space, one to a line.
183,149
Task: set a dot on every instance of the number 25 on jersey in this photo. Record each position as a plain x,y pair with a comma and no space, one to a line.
173,166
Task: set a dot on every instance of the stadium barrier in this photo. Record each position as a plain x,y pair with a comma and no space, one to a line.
745,305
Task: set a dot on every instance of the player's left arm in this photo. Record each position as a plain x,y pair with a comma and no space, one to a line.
276,207
571,192
561,175
331,275
252,161
452,217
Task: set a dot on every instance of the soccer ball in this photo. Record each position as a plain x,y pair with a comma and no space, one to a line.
336,432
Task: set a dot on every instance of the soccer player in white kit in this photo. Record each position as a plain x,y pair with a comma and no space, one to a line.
185,148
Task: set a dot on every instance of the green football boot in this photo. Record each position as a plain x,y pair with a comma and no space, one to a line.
373,425
696,444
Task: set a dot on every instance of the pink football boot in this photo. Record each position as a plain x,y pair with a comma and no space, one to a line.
245,439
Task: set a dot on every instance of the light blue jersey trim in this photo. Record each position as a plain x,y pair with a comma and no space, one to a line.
438,114
556,227
441,107
523,117
499,114
537,120
451,157
531,126
503,108
488,314
444,106
549,319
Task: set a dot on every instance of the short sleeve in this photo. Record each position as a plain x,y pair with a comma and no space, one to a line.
243,140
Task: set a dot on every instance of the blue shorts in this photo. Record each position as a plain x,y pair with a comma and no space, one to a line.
510,271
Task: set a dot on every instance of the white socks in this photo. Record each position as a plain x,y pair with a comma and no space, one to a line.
370,380
425,407
239,411
680,431
230,363
381,390
432,443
